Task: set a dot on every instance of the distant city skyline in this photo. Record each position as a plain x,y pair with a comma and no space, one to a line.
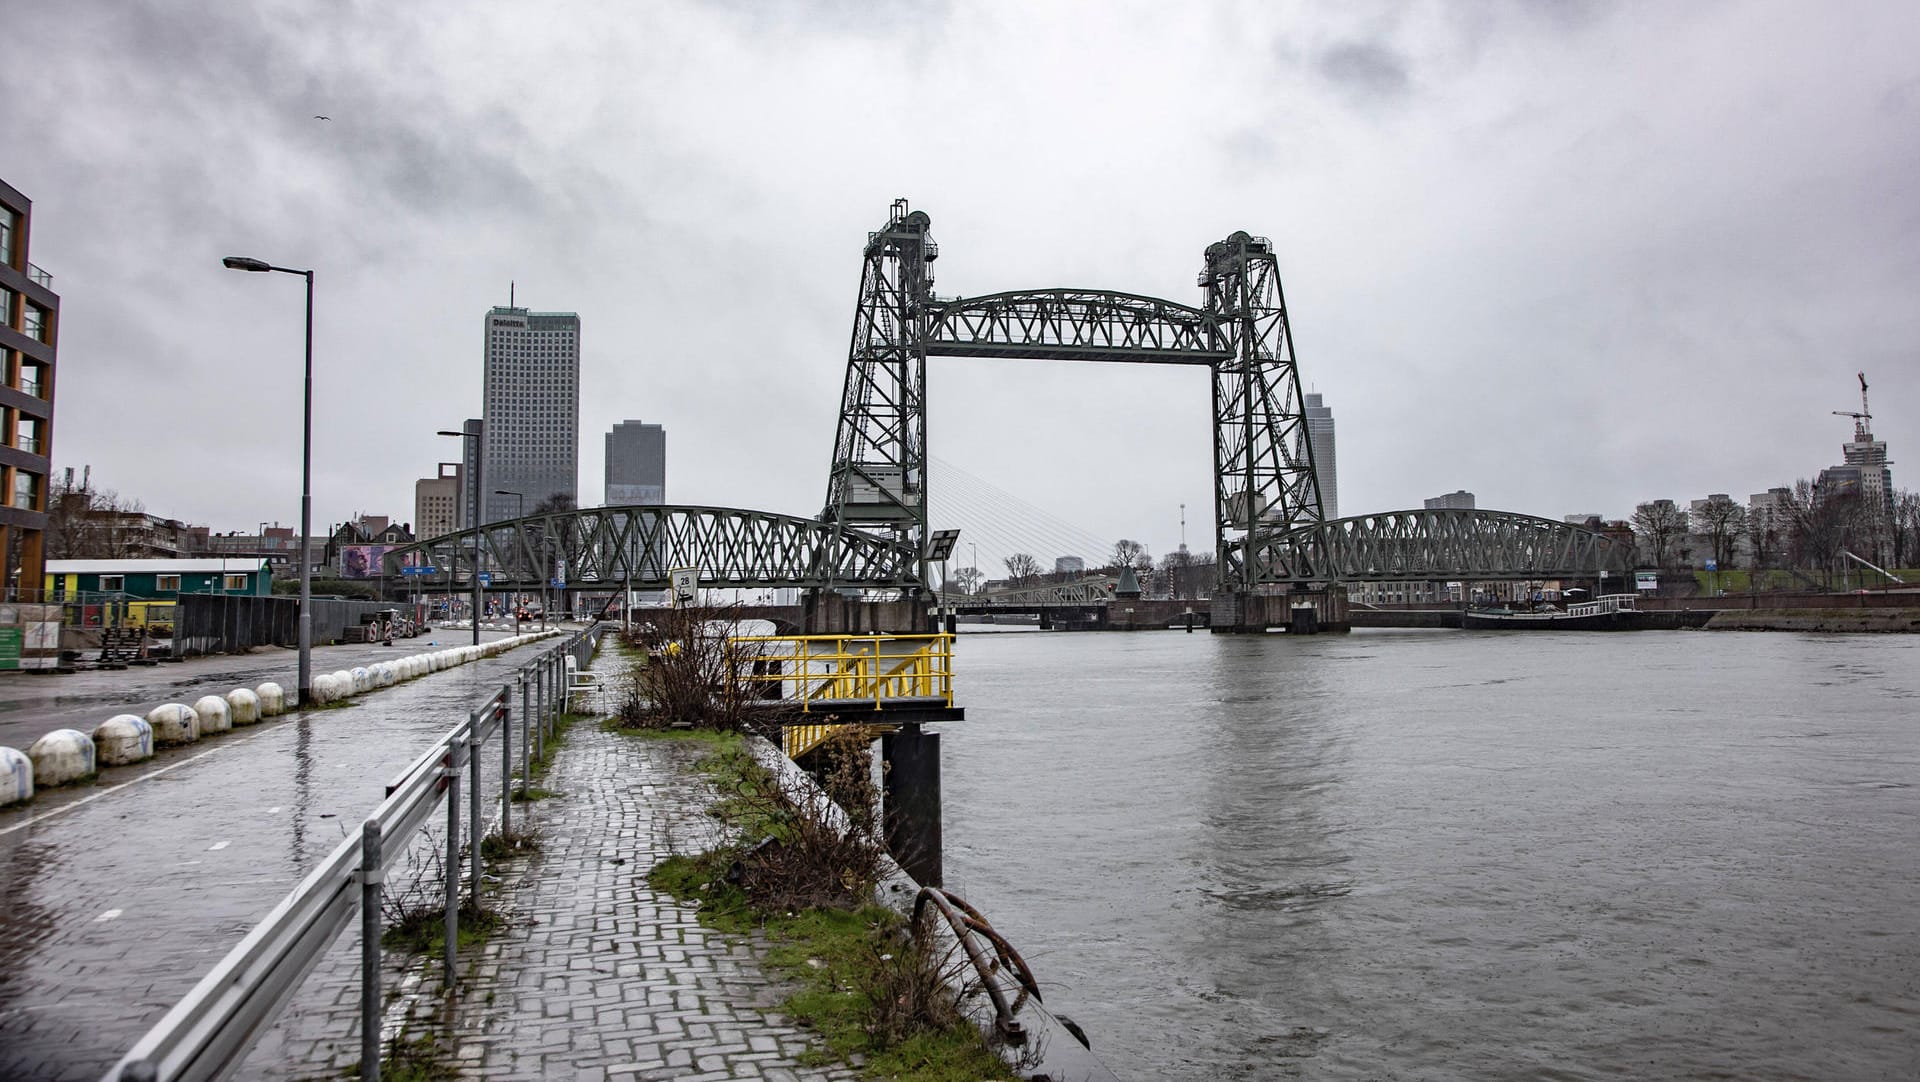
636,464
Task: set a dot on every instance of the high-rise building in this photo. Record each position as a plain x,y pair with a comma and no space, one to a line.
29,328
436,502
1458,500
636,464
1320,432
532,444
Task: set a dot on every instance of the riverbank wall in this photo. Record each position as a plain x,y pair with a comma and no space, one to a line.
1834,620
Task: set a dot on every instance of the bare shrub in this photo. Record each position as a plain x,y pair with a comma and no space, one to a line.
692,674
807,853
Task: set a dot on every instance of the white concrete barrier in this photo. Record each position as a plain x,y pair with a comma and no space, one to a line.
174,723
214,716
61,756
123,739
16,776
243,706
362,679
344,686
273,699
326,689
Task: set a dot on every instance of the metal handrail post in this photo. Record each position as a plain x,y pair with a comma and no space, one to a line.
370,887
477,749
452,866
537,679
506,760
526,729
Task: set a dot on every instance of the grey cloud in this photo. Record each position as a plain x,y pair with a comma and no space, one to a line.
1366,71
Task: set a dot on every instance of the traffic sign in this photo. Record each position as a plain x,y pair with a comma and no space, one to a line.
559,584
1713,565
486,578
420,570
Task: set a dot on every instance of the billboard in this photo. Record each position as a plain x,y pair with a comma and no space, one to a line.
363,561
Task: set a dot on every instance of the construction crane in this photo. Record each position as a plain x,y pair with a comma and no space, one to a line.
1862,430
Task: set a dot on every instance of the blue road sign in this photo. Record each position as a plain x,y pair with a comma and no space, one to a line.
1713,565
486,578
559,584
419,571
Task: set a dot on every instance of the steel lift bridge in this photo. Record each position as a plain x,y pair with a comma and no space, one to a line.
1270,533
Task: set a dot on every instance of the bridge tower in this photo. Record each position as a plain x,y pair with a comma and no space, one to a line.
878,483
1263,479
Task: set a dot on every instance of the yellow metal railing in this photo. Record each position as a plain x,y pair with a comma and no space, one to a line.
823,672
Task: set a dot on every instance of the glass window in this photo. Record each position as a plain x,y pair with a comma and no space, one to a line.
6,307
26,490
236,582
167,583
6,236
30,379
34,322
113,583
27,435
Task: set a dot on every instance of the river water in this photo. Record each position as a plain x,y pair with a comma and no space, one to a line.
1453,855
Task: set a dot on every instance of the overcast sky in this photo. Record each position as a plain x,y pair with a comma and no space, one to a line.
1568,256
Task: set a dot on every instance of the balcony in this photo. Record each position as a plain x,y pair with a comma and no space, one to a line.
40,278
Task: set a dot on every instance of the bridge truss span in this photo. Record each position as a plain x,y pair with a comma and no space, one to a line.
612,546
1074,325
1440,545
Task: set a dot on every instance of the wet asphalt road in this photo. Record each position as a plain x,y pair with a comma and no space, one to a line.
111,908
32,705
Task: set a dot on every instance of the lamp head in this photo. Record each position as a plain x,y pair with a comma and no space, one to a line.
245,263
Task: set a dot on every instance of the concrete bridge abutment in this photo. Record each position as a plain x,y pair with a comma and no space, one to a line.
1298,612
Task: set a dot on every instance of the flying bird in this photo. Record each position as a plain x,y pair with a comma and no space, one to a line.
317,116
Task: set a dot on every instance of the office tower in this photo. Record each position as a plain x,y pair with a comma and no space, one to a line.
531,449
29,326
636,464
1320,432
1458,500
436,502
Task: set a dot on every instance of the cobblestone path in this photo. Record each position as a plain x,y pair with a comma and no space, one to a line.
598,976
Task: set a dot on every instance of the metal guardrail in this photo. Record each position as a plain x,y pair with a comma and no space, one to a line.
209,1032
823,671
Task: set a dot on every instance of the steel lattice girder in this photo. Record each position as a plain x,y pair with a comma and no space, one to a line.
1438,545
610,546
879,472
1262,459
1093,590
1074,325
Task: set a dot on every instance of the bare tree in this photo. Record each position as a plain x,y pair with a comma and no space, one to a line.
1659,524
969,579
1722,521
558,503
1823,526
92,524
1127,554
1022,568
1906,528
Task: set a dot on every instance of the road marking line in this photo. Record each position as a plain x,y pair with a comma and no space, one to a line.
217,846
107,916
83,801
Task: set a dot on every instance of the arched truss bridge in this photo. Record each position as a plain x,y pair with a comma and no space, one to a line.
614,546
1438,545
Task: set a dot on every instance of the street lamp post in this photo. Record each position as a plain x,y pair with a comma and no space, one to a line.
245,263
519,511
479,517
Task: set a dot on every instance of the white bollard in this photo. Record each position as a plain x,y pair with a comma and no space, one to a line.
326,689
123,739
273,699
61,756
362,679
214,716
243,706
16,776
344,687
174,723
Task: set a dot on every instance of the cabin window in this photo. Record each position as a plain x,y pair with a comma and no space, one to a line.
167,583
113,583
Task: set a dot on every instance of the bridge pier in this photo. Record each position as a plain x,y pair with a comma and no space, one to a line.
910,801
1299,612
830,613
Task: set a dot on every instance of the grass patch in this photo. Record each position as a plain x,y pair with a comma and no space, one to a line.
712,739
532,793
424,931
417,1059
497,847
864,985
